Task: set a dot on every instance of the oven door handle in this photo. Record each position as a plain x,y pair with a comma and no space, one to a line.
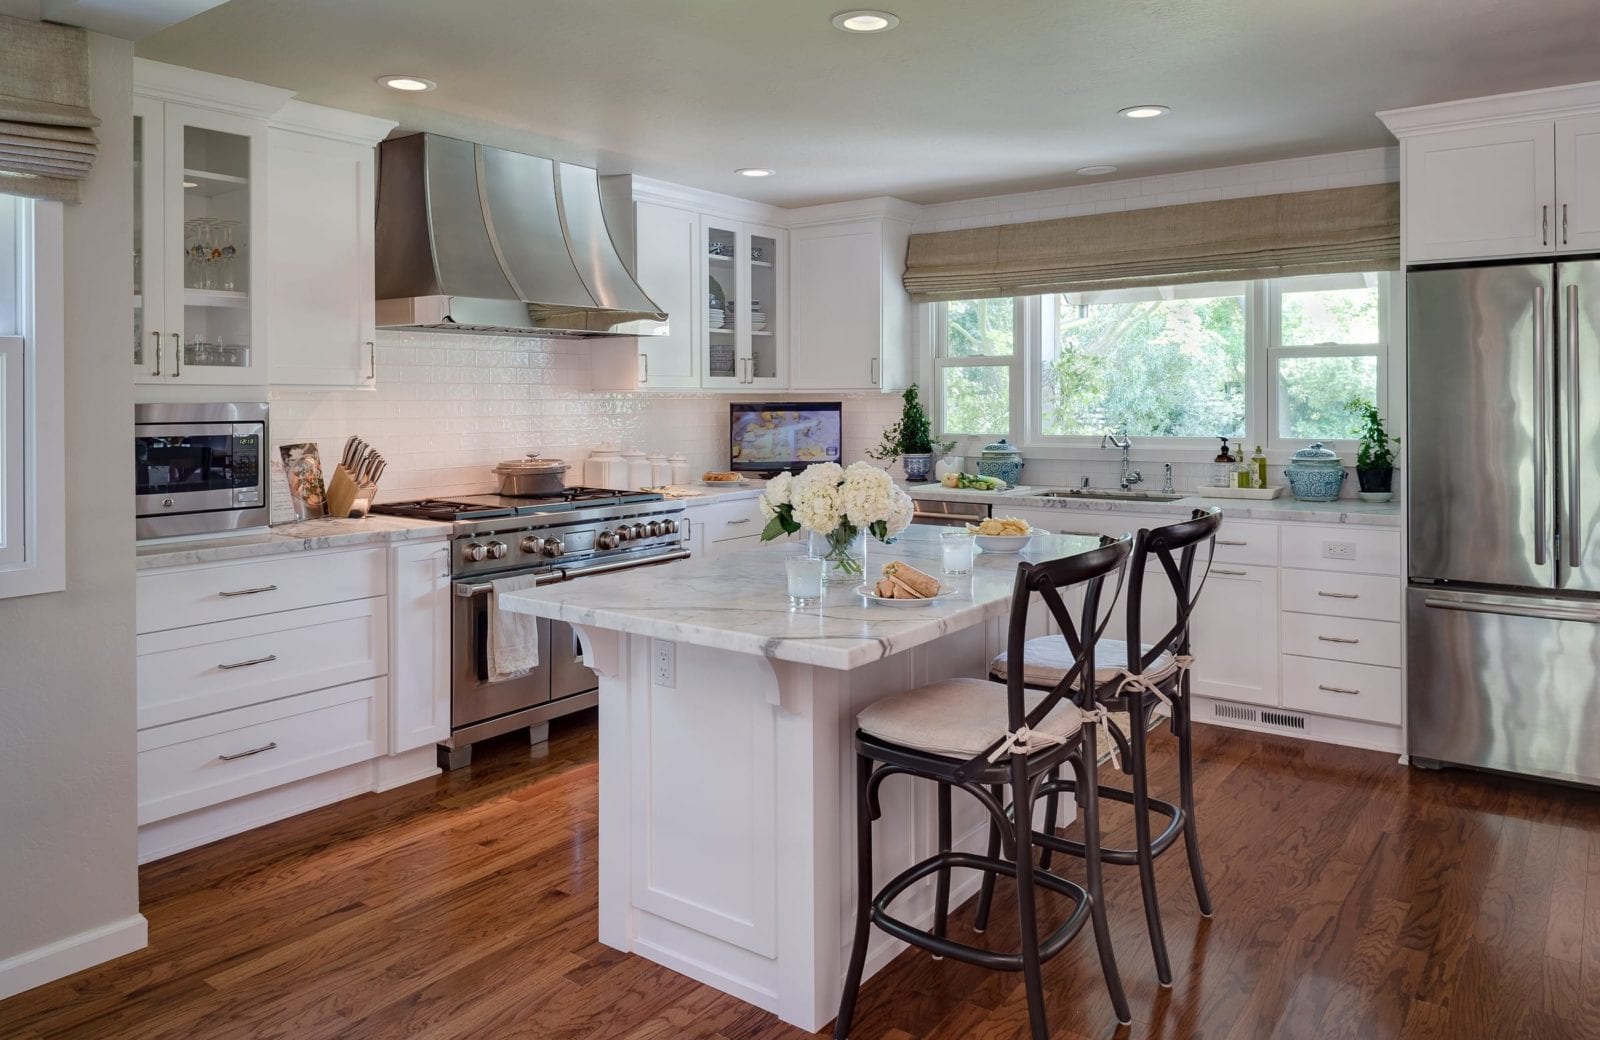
467,590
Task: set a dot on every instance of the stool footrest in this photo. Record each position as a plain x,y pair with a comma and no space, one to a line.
1122,857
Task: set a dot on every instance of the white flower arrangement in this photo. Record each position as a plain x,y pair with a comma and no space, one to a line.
836,502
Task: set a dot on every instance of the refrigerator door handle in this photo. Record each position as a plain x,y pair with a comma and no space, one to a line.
1541,381
1572,536
1515,606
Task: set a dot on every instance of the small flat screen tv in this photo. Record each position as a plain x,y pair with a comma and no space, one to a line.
784,436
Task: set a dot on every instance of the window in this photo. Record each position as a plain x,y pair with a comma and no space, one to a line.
1271,362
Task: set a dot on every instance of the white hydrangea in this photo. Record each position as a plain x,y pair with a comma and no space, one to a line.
816,499
779,489
900,511
867,494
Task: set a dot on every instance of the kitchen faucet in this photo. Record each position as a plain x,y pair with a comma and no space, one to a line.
1121,440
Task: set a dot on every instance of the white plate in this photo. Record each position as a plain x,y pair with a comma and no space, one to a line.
867,593
741,482
1003,543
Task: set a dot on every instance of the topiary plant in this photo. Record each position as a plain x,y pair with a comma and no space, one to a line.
912,434
1375,451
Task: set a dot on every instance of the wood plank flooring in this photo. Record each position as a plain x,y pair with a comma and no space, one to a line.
1355,899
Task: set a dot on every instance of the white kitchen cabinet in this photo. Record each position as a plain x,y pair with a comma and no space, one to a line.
850,316
743,267
320,185
1578,181
721,525
1235,635
419,684
660,243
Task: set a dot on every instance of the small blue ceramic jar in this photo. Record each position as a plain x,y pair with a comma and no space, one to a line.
1001,460
1315,474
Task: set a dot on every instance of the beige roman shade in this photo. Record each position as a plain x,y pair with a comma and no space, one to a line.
46,144
1265,236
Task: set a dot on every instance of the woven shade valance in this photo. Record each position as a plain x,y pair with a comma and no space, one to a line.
46,144
1265,236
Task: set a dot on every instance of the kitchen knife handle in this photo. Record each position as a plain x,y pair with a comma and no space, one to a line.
1541,382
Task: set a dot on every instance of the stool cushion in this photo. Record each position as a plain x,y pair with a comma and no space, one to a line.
1047,659
960,718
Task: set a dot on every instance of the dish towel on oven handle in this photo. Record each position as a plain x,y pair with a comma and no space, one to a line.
513,638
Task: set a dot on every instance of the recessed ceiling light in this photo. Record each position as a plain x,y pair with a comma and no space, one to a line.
753,171
865,21
1095,171
1144,111
411,84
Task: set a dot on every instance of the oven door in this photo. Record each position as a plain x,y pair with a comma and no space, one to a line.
473,698
568,674
198,467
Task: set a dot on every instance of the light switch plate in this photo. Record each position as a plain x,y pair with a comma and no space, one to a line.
1339,550
664,663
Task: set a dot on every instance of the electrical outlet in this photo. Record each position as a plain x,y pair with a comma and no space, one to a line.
1339,550
664,663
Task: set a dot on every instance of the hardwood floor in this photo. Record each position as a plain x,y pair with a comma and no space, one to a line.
1355,898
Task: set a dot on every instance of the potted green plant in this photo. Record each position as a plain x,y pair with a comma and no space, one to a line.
911,439
1375,455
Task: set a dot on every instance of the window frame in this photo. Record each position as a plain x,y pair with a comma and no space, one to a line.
943,362
1278,350
38,461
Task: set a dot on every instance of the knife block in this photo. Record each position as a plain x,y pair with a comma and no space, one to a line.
348,498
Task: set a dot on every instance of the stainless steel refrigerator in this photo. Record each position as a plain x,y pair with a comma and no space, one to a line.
1502,507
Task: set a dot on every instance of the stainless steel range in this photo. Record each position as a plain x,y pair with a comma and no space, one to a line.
584,531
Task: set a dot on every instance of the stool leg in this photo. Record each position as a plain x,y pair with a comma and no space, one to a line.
1086,768
858,949
986,886
1139,717
1032,973
1191,837
941,898
1051,804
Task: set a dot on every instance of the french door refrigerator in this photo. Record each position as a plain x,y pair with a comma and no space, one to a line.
1503,515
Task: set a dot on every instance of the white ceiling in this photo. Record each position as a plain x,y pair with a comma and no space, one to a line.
965,98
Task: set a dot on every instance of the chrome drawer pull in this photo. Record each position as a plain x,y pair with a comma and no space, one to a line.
1234,574
1338,689
1337,639
249,592
732,523
1224,541
247,664
253,751
1339,595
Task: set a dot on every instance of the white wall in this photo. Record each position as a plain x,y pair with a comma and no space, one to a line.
448,407
69,891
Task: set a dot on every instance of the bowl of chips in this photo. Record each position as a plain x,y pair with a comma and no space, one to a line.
1002,534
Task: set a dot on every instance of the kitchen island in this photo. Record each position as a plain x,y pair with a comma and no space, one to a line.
727,808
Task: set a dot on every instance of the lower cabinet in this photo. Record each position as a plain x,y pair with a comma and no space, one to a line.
419,672
1235,635
721,525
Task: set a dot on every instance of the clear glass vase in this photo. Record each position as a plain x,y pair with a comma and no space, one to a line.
845,549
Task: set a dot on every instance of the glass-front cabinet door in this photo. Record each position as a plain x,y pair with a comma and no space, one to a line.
746,291
197,207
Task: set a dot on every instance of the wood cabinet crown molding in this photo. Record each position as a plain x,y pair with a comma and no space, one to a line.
1546,103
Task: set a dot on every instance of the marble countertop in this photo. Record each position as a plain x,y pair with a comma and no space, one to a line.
709,495
331,533
1283,508
737,600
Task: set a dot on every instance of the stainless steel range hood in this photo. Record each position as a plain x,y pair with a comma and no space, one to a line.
482,240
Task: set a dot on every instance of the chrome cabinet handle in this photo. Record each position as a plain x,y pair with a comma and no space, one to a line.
1234,574
1224,541
253,751
874,371
734,523
1574,489
1544,225
644,359
157,337
1563,223
1541,379
246,664
372,361
1337,689
1337,639
177,355
249,592
1339,595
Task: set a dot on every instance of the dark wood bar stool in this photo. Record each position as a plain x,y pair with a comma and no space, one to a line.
981,737
1137,678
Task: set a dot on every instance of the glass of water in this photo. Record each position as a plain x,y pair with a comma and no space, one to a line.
805,579
956,544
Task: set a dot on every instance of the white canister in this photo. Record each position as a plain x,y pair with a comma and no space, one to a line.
680,468
948,465
604,468
660,470
638,469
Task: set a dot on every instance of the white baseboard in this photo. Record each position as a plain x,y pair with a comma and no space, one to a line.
72,954
407,767
1303,725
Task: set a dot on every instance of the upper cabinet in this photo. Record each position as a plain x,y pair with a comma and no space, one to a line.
1515,175
745,289
849,329
320,178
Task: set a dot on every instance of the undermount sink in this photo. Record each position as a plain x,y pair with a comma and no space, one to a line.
1113,494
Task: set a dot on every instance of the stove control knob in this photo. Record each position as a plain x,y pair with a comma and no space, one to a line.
474,552
639,531
624,533
553,547
498,550
607,540
669,527
653,528
532,546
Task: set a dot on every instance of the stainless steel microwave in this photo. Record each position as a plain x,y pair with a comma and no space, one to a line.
200,468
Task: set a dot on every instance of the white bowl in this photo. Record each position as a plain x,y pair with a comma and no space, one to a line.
1003,543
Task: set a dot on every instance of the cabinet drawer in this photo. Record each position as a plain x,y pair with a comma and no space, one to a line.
1239,541
199,595
1342,639
725,521
190,765
202,669
1357,550
1342,595
1342,689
